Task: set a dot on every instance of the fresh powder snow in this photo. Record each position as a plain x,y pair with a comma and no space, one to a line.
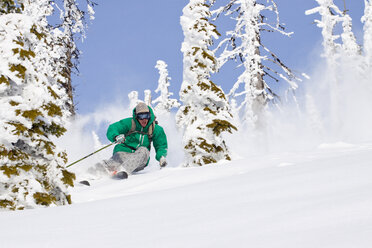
318,198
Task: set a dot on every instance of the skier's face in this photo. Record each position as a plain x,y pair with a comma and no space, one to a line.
143,118
143,122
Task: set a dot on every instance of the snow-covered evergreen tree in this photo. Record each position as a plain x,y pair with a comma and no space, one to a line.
331,15
244,44
337,54
70,29
349,44
148,97
33,109
204,114
367,38
164,103
133,99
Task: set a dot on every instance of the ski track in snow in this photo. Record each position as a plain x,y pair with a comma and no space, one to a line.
314,199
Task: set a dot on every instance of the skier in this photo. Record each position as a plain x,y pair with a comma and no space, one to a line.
133,137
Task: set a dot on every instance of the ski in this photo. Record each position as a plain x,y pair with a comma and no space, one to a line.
120,175
85,182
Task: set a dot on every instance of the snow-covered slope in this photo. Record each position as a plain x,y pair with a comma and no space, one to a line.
316,199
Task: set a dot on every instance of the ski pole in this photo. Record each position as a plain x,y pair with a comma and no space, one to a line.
91,154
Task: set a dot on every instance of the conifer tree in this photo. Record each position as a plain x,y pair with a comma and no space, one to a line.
337,53
349,44
31,166
204,114
244,44
367,38
148,97
330,17
133,99
163,103
71,28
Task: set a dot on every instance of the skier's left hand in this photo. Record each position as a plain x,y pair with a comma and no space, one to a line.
162,162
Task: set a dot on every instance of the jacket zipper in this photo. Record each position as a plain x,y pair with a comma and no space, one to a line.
140,138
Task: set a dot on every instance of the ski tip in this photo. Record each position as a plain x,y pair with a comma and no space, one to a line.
85,182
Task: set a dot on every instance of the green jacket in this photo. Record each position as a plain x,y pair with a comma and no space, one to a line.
136,140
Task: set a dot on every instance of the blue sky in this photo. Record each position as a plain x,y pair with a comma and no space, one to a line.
127,38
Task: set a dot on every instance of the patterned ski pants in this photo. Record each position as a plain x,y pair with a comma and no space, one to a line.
129,162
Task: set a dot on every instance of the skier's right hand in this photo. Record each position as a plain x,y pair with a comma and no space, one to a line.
120,139
162,162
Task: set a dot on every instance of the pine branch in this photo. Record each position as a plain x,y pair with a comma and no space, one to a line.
268,74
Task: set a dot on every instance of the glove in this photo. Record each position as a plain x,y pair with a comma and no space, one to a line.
163,162
120,139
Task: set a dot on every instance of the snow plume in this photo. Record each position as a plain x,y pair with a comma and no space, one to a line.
352,108
345,79
293,130
334,104
87,132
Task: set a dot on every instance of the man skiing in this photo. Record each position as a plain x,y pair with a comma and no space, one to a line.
133,137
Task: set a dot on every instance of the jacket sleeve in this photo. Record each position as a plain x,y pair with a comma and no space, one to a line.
120,127
160,142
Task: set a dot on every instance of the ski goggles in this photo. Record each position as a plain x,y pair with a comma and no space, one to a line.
142,116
